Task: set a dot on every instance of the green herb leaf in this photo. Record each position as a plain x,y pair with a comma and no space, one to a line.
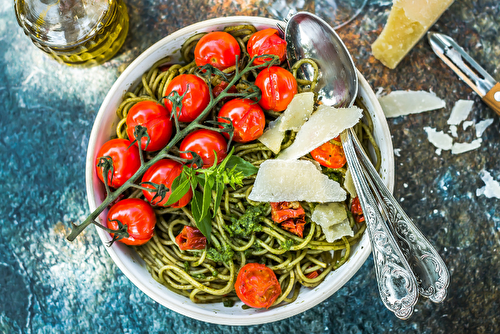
207,195
203,223
219,191
241,165
179,190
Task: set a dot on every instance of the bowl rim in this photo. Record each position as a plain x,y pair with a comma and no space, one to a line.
204,315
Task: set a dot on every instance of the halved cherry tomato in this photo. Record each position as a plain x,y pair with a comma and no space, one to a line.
295,226
278,88
139,217
218,49
164,172
156,119
257,285
357,211
206,143
281,211
126,161
329,155
247,117
267,41
196,99
313,274
190,238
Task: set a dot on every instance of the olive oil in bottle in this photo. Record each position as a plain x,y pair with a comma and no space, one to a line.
79,33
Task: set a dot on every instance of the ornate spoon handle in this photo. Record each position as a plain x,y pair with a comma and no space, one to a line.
396,283
428,267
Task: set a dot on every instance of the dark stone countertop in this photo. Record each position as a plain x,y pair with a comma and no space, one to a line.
48,285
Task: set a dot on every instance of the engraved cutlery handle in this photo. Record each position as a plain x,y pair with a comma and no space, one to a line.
395,280
428,267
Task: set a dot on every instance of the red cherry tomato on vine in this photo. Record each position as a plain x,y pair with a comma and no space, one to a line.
267,41
257,285
164,172
247,117
195,100
278,88
218,49
155,118
329,155
126,161
139,217
220,87
190,238
205,142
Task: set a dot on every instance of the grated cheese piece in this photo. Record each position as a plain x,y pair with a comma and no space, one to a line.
298,112
325,124
460,112
491,188
458,148
466,124
273,137
294,180
407,23
400,102
349,184
441,140
453,131
332,217
481,126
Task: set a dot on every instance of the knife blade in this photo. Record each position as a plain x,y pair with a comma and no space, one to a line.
466,68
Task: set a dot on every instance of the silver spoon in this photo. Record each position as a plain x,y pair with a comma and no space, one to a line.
406,264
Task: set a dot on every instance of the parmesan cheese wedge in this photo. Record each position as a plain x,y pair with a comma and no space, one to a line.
332,217
294,180
273,137
298,112
408,21
400,103
325,124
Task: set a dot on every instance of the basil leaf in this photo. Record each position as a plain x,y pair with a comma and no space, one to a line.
243,166
205,226
203,223
179,191
207,195
219,190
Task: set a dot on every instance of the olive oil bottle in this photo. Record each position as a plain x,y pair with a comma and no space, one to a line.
79,33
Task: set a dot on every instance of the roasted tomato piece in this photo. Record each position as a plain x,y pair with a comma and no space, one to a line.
281,211
139,217
218,49
191,238
329,155
295,226
278,87
314,274
257,285
357,211
267,41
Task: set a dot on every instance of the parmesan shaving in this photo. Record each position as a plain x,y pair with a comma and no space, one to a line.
491,188
400,103
466,124
481,126
441,140
298,112
349,184
332,217
295,180
453,131
273,137
458,148
325,124
460,112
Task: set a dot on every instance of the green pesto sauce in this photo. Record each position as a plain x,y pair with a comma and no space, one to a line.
249,222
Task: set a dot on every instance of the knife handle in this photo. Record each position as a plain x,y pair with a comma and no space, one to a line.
492,98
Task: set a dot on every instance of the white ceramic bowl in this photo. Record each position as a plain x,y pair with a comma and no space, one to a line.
133,266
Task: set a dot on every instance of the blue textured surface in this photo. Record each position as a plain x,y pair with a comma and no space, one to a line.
48,285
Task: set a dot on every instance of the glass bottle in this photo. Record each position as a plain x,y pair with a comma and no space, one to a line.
80,33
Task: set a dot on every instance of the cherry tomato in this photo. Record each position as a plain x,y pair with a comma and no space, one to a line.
278,87
190,238
164,172
126,161
329,155
267,41
196,99
206,143
139,217
156,119
357,211
218,49
281,211
247,117
295,226
220,87
257,285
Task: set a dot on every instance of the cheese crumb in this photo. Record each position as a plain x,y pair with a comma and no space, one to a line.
481,126
400,103
460,112
441,140
491,188
458,148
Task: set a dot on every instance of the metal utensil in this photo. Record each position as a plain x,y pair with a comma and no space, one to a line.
460,62
401,275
